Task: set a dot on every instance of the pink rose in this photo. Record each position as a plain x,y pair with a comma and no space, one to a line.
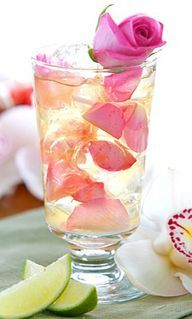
128,43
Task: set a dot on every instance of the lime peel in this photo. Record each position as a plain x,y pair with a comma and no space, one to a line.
77,298
36,293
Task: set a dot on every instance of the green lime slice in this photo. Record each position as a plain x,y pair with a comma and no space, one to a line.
78,298
36,293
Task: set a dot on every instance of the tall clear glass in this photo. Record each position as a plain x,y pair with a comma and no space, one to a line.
93,127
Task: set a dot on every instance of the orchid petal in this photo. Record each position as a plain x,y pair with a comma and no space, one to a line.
148,271
136,127
88,193
186,281
63,181
99,215
180,226
172,190
179,260
10,177
17,129
29,166
146,230
162,243
120,86
110,156
160,191
107,117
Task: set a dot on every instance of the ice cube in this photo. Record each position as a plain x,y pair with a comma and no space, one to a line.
146,85
75,55
89,93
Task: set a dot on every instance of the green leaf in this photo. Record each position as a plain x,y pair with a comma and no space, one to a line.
102,12
90,52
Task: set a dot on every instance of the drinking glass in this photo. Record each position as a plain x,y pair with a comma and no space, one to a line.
93,127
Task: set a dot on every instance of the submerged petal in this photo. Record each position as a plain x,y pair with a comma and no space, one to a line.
99,215
107,117
55,150
136,127
111,157
148,271
63,181
120,86
180,226
90,192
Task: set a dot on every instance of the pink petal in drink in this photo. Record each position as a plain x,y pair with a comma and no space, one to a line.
110,156
99,215
120,86
136,127
55,150
63,180
107,117
90,192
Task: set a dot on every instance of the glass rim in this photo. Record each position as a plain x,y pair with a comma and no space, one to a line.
152,58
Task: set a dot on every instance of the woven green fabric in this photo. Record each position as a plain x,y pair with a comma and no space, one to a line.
26,236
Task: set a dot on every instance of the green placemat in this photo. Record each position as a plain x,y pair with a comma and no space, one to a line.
26,236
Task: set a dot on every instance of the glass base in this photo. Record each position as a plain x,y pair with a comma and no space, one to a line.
98,267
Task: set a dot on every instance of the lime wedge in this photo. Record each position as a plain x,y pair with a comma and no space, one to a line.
76,299
36,293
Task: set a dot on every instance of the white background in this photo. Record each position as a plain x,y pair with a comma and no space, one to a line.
28,24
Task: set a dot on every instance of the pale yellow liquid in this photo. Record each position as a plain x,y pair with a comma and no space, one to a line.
60,106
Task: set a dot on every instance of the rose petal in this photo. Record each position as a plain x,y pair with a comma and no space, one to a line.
180,226
55,150
110,156
147,270
186,281
99,215
62,180
88,193
145,25
136,128
109,58
107,117
120,86
112,47
109,36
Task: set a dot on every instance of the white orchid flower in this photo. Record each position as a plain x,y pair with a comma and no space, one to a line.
158,257
19,153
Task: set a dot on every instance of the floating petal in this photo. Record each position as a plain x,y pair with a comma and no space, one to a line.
148,271
107,117
99,215
136,128
120,86
110,156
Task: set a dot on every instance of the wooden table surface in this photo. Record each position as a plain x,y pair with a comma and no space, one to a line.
17,202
